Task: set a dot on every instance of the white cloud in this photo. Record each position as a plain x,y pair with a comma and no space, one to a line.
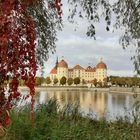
77,48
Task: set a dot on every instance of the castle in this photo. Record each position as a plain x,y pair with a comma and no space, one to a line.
99,72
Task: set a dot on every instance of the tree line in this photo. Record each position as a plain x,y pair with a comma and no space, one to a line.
63,81
67,81
124,81
110,81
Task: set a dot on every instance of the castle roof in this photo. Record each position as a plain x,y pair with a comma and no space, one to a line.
78,67
54,71
70,69
62,63
101,65
90,69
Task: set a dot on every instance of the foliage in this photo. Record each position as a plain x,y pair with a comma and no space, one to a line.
99,83
105,80
70,81
48,80
55,81
76,80
21,27
27,24
48,21
67,123
63,80
83,82
17,54
94,81
125,81
39,81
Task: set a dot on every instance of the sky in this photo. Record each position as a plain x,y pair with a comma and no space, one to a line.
77,48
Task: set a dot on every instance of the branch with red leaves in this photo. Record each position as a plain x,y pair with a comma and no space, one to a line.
17,54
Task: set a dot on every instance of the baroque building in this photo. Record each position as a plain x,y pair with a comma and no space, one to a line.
88,74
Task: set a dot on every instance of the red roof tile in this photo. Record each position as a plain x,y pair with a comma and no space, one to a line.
62,63
101,65
54,71
78,67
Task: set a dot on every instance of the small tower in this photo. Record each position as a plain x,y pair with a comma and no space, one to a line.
101,72
56,62
62,68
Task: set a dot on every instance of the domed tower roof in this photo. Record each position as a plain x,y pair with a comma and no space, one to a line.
63,64
54,71
101,65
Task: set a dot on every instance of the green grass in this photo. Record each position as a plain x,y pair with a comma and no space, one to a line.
67,124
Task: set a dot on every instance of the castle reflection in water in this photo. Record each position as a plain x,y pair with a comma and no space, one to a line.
99,104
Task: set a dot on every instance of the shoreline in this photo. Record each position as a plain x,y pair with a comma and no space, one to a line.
114,90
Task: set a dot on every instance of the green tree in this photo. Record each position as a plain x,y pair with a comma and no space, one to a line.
76,80
48,80
63,80
129,82
94,82
83,81
39,81
70,81
105,81
48,22
99,83
55,81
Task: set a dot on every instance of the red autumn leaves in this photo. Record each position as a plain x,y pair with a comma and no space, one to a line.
17,52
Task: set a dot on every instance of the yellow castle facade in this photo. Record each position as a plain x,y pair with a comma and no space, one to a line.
99,72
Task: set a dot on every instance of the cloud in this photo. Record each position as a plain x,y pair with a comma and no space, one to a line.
77,48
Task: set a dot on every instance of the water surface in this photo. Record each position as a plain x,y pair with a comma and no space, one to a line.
99,104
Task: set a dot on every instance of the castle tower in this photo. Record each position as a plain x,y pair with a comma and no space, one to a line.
101,71
62,69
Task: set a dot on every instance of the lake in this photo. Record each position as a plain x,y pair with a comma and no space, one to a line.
97,104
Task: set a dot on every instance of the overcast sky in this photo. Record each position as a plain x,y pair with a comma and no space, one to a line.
77,48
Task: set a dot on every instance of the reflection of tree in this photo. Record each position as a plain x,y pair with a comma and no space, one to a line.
87,100
83,96
95,97
69,96
76,97
94,101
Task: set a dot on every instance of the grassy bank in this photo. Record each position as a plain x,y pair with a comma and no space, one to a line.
67,124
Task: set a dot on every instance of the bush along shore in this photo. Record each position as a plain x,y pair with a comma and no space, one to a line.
53,123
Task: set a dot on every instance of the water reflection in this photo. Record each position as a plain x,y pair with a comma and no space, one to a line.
102,104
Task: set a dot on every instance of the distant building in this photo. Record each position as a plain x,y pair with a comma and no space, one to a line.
88,74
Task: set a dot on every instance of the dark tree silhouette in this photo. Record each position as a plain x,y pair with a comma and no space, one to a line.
63,80
48,80
70,81
76,80
55,81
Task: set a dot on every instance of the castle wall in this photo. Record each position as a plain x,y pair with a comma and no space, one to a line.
61,71
101,74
